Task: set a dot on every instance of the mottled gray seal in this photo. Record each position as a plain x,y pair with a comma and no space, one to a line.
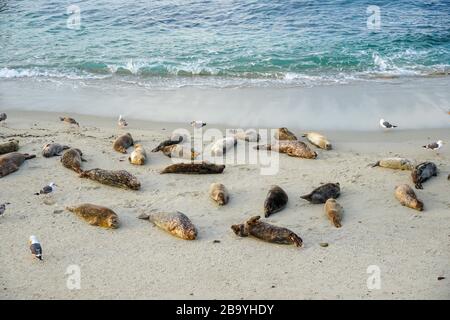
219,193
422,172
318,140
69,120
323,193
53,149
169,142
96,215
176,223
194,168
276,200
123,142
11,162
407,197
266,232
72,158
291,148
333,211
118,178
10,146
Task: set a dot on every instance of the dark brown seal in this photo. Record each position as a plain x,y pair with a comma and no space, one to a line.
276,200
119,178
407,197
176,223
422,172
53,149
323,193
169,142
266,232
123,142
11,162
72,158
10,146
194,168
284,134
96,215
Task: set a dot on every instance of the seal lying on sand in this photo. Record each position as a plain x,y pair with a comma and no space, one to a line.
291,148
334,212
395,163
11,162
219,193
69,120
176,223
284,134
249,135
96,215
138,156
407,197
194,168
318,140
323,193
173,140
221,146
10,146
72,158
266,232
53,149
119,178
123,142
422,172
180,151
276,200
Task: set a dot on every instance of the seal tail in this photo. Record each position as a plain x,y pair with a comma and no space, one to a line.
263,147
307,197
296,239
29,156
376,164
144,216
71,209
61,119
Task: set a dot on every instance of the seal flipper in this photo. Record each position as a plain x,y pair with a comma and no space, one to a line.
144,216
296,239
29,156
239,230
376,164
307,197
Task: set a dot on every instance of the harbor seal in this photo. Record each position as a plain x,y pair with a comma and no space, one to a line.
318,140
180,151
333,211
291,148
267,232
221,146
53,149
119,178
10,146
11,162
194,168
395,163
323,193
176,223
407,197
284,134
219,193
249,135
173,140
123,142
276,200
422,172
138,156
69,120
96,215
72,158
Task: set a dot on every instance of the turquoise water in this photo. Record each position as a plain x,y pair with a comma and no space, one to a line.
224,42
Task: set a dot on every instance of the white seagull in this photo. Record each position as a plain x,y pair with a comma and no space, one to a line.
47,189
3,208
198,124
35,247
434,146
122,122
386,125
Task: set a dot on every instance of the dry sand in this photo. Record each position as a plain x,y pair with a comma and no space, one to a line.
139,261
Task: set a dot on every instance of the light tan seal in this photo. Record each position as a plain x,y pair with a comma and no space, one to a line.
219,193
138,156
194,168
407,197
10,146
11,162
53,149
395,163
123,142
114,178
318,140
333,211
69,120
96,215
284,134
176,223
180,151
72,158
267,232
291,148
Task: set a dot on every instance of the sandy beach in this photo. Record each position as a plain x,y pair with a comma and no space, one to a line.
139,261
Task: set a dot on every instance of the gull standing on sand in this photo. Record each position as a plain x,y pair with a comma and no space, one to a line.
122,122
434,146
3,208
386,125
198,124
35,247
47,189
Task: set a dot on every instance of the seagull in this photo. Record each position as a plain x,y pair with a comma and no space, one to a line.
47,189
198,124
122,122
3,208
434,146
386,125
35,247
3,116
